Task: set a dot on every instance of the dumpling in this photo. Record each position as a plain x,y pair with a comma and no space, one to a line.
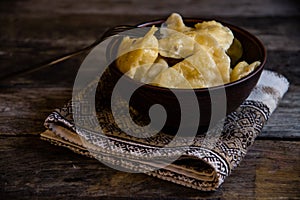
171,78
222,34
242,69
176,45
191,74
196,71
222,60
135,53
158,66
174,22
206,66
235,51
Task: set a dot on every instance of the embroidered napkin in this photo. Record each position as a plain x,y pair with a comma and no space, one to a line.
200,165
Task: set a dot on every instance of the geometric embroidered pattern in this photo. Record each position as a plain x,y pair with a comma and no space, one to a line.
238,132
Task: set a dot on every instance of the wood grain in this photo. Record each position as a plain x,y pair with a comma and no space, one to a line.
35,31
23,111
46,171
157,7
25,36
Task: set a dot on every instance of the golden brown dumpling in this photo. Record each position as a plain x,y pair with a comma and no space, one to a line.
222,34
176,45
171,78
137,52
191,74
158,66
184,57
174,22
235,51
218,54
206,66
196,71
242,69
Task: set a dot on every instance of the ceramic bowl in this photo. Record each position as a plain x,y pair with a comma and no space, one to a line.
235,92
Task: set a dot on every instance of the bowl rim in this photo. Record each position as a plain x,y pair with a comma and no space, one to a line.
234,28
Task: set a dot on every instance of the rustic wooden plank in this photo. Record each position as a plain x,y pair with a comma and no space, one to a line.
157,7
63,74
41,170
77,29
284,122
20,39
285,63
23,111
26,36
36,30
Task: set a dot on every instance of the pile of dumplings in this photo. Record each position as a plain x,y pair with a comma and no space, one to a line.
202,56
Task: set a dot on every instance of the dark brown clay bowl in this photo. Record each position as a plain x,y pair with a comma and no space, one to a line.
235,92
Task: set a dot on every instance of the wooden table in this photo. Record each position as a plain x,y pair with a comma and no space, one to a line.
35,31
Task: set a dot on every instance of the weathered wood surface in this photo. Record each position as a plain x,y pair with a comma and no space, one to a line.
270,170
23,111
34,31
